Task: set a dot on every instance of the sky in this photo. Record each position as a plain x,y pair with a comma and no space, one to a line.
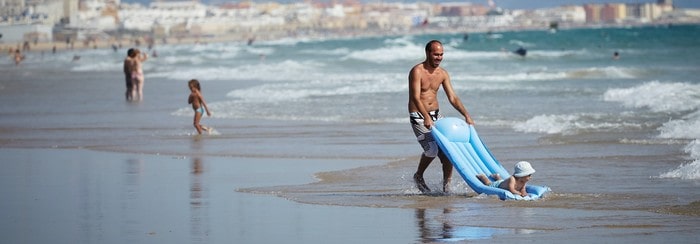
506,4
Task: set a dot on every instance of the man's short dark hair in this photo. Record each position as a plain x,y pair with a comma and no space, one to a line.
430,44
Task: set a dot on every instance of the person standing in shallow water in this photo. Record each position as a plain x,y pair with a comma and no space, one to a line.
424,81
198,105
137,78
127,73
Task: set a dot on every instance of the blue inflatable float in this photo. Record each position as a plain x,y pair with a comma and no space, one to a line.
462,145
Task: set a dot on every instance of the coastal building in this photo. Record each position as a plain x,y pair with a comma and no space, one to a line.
9,9
613,13
31,33
626,13
34,21
560,16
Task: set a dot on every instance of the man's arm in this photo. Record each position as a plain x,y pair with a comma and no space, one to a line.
414,90
454,99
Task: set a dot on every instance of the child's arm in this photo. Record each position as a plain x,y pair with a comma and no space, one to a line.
511,187
203,103
523,191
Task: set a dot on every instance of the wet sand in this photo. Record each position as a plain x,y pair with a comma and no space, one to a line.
83,196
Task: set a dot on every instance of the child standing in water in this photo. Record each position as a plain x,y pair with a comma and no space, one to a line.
198,104
516,183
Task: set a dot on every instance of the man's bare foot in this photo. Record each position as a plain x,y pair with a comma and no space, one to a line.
420,183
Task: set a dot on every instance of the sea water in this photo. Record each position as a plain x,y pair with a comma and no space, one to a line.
567,87
619,135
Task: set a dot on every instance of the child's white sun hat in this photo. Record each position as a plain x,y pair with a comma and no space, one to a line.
523,168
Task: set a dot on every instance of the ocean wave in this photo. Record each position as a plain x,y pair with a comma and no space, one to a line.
605,73
671,98
463,55
546,74
548,124
686,128
388,54
181,60
260,50
330,52
509,77
522,43
658,96
554,54
351,84
569,124
96,66
690,171
279,71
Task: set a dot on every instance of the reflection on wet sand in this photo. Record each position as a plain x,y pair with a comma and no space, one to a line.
131,228
199,216
429,231
434,226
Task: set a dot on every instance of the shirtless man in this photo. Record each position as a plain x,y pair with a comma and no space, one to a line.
128,62
424,81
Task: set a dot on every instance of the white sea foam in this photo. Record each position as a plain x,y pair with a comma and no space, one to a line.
339,85
457,55
522,43
549,124
690,171
604,73
395,49
285,41
546,74
337,51
558,53
658,96
279,71
260,50
672,98
96,66
509,77
686,128
388,54
568,124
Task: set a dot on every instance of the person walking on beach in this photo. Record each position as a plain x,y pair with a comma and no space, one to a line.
18,57
128,62
137,77
198,104
424,81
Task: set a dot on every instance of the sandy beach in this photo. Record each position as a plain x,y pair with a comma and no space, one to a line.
85,179
82,165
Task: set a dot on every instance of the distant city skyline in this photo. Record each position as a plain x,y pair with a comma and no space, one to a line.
506,4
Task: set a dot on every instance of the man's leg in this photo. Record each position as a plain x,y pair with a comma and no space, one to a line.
418,176
446,171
